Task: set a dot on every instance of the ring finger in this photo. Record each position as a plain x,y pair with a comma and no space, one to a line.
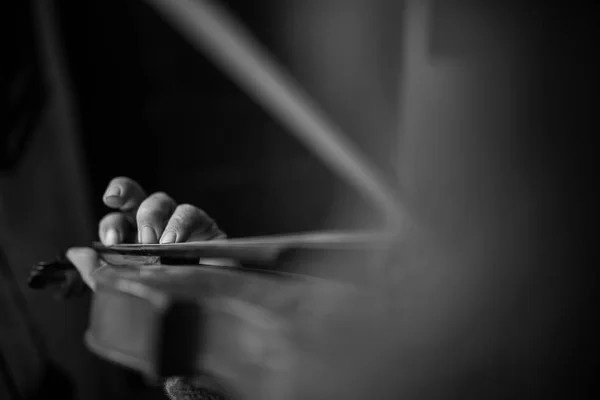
152,217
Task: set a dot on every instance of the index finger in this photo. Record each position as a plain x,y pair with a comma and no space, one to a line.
124,194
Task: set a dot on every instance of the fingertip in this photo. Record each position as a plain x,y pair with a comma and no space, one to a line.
168,237
113,201
123,193
112,237
113,197
148,235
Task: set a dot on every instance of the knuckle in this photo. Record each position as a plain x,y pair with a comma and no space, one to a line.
185,210
147,213
158,205
180,216
192,214
120,180
161,197
185,217
177,220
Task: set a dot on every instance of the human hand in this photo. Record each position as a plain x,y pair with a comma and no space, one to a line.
142,219
151,219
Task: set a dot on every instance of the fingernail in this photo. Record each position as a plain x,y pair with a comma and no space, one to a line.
112,237
148,235
113,191
169,237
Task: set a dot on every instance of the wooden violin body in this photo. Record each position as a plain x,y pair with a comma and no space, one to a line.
287,313
262,335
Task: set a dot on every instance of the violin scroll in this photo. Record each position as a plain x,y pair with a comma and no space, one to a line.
59,273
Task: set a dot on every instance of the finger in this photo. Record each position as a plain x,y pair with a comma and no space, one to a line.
115,228
211,232
152,217
188,221
86,262
124,194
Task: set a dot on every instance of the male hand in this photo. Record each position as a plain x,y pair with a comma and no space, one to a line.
151,219
139,218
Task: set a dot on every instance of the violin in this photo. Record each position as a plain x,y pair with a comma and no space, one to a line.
281,311
255,326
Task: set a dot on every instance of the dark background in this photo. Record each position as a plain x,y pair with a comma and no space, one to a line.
153,108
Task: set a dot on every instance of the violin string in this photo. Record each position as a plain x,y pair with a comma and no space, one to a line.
225,41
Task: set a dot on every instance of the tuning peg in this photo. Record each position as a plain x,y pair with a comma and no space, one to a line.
59,273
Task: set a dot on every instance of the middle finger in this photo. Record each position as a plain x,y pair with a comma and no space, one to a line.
152,217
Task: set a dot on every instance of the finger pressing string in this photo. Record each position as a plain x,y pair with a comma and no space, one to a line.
152,217
186,221
116,228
